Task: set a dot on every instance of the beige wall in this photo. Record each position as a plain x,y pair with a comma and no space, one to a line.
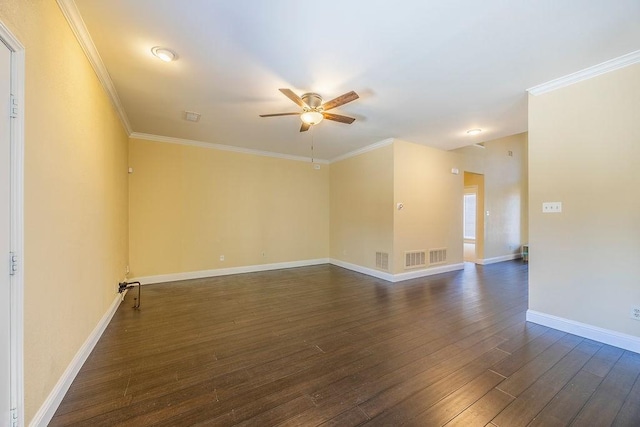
432,197
365,191
362,207
506,192
584,151
75,196
190,205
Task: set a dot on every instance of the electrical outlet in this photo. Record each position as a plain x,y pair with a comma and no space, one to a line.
221,257
635,313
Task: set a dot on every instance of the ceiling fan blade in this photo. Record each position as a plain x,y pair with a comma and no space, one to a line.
279,114
305,127
341,100
338,118
292,96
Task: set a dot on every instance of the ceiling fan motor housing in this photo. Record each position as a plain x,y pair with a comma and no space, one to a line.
313,100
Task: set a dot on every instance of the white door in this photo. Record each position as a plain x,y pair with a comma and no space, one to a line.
5,244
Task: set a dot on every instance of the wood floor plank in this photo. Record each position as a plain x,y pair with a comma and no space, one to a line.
399,405
605,403
568,402
455,403
322,345
530,402
481,412
529,373
527,352
630,411
352,417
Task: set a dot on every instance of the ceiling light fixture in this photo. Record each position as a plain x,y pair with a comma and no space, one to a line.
474,131
311,117
167,55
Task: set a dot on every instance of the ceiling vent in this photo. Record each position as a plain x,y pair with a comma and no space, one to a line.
191,116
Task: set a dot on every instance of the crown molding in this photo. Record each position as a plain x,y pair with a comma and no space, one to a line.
222,147
72,14
587,73
363,150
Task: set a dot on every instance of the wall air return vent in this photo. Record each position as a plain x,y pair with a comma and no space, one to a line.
414,259
437,256
382,261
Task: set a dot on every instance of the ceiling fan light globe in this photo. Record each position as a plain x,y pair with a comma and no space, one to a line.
311,117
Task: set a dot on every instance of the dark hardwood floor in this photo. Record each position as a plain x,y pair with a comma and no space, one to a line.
326,346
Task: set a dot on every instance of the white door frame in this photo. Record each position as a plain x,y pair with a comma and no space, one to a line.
17,224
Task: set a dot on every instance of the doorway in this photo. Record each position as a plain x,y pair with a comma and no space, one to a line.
11,229
5,235
473,217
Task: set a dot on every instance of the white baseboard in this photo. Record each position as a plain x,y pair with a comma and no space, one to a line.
607,336
50,405
427,272
487,261
400,276
174,277
364,270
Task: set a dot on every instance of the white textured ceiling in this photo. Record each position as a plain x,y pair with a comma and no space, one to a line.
426,71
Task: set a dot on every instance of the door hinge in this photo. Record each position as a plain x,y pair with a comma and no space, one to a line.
13,263
13,108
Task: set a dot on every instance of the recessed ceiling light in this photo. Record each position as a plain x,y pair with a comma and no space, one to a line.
167,55
473,131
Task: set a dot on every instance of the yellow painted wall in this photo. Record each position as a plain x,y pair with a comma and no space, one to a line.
75,196
584,151
189,205
362,207
432,197
365,191
506,192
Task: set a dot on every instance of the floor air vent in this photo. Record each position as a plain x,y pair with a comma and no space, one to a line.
382,260
413,259
437,256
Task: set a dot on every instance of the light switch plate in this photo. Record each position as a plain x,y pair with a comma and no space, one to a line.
552,207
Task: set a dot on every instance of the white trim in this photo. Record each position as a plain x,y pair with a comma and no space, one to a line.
587,73
364,270
17,221
428,272
72,14
607,336
50,405
394,278
487,261
174,277
210,145
363,150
